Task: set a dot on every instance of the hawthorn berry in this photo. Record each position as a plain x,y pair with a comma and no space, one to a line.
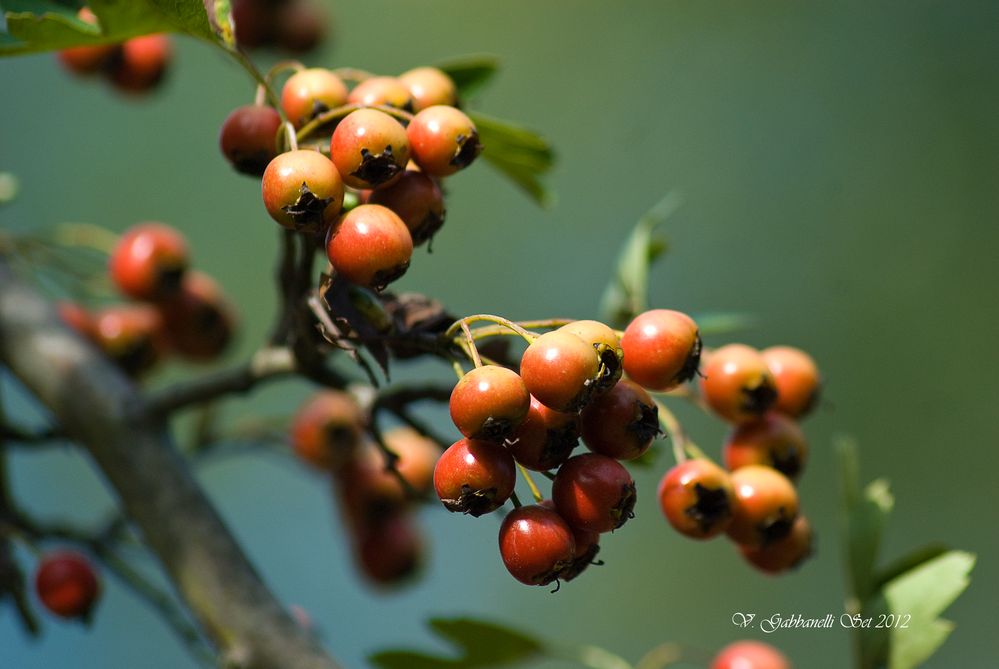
302,190
587,547
417,200
140,63
149,261
607,345
737,384
87,59
327,430
489,403
696,496
429,86
545,438
750,655
764,507
797,378
67,585
417,456
198,320
773,440
662,349
370,149
594,492
248,138
560,370
310,92
783,554
621,423
379,91
474,477
131,336
300,26
443,140
369,246
536,545
369,492
390,551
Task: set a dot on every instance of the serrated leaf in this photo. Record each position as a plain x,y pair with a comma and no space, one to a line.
924,593
470,73
627,293
522,155
478,644
908,562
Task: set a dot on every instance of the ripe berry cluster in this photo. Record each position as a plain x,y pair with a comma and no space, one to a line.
67,585
134,66
175,309
367,180
569,386
293,25
330,432
762,395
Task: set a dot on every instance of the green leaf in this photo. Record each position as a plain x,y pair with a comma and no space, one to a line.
520,154
724,323
908,562
480,644
9,187
219,13
470,73
924,593
627,294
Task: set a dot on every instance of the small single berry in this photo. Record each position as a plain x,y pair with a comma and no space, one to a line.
536,545
199,321
369,246
621,423
370,149
607,345
560,370
429,86
381,91
67,585
310,92
474,477
489,403
662,349
149,261
389,553
764,508
593,492
737,384
302,190
300,25
417,200
141,63
248,138
750,655
327,430
545,438
696,496
797,378
131,336
417,456
783,554
443,140
774,440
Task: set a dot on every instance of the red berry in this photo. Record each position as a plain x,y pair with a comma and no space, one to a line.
560,370
67,584
737,384
593,492
327,430
378,91
249,138
783,554
301,26
429,86
131,336
621,423
696,496
764,507
369,246
536,545
199,321
253,22
489,403
417,456
443,140
662,349
369,491
607,345
587,547
545,438
310,92
797,378
774,440
370,149
87,59
474,477
417,200
141,63
750,655
390,551
149,261
302,190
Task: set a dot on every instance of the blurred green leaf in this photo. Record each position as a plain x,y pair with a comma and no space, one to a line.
520,154
908,562
9,187
924,593
480,644
470,73
627,294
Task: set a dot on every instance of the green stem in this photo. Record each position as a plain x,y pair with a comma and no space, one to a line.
338,113
473,353
251,69
489,318
538,497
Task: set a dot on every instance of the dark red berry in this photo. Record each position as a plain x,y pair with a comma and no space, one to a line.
443,140
696,496
774,440
67,585
783,554
489,403
594,492
560,370
301,25
621,423
662,349
369,246
417,200
249,138
545,438
474,477
587,547
389,552
199,320
536,545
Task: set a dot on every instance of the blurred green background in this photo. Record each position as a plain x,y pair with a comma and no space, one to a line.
839,164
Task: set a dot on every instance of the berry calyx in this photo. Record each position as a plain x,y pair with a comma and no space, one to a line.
67,585
737,384
302,190
489,403
774,440
310,92
593,492
149,261
369,148
198,320
474,477
696,496
607,345
545,438
797,379
783,554
417,200
764,507
369,246
621,423
750,655
248,138
536,544
378,91
429,86
662,349
443,140
327,430
560,370
140,63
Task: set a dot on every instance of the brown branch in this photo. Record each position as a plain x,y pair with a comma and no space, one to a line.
98,406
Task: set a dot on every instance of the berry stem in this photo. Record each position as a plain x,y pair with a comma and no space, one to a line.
252,70
470,350
352,74
476,318
500,330
674,430
282,66
338,113
515,500
290,136
538,497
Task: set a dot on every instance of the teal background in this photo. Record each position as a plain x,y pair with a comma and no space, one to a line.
838,164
